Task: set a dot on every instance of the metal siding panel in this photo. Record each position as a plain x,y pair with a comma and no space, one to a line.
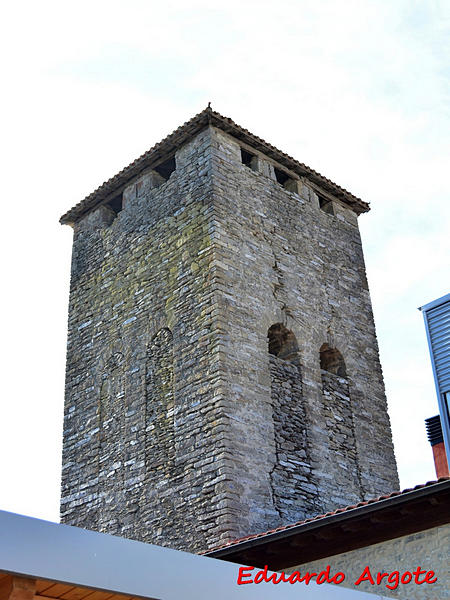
439,329
38,549
436,316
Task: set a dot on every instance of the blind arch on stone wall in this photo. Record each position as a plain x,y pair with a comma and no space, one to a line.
339,451
331,360
291,479
160,361
282,343
159,379
157,510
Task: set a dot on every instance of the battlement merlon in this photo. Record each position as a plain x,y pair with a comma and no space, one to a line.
157,160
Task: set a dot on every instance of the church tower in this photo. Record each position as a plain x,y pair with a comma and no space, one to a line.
223,375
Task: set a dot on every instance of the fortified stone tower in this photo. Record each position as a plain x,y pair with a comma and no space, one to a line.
222,369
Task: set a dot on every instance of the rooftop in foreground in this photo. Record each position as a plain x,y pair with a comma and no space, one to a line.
47,561
386,517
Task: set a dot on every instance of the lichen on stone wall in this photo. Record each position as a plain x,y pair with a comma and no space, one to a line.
175,412
157,506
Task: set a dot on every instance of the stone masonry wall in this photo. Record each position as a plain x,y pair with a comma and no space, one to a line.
178,427
293,485
281,259
162,475
341,456
424,549
143,439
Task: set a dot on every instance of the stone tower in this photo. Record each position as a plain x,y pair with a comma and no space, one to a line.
223,375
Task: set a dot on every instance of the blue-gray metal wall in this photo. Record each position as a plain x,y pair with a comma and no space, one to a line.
437,323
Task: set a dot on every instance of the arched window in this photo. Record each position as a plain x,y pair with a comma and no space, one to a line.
290,470
331,360
282,343
337,412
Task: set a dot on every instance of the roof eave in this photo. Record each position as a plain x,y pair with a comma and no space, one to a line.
186,132
238,551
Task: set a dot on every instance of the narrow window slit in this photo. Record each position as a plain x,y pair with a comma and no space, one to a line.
249,160
326,205
285,180
116,204
166,168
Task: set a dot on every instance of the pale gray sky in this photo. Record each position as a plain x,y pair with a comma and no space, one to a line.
358,90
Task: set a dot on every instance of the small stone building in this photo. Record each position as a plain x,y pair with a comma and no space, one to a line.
223,375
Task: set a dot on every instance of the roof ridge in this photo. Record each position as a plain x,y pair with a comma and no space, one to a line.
184,132
65,218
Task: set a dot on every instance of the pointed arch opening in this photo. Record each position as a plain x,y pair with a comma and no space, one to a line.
331,360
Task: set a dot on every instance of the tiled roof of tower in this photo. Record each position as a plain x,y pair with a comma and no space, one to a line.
181,136
373,501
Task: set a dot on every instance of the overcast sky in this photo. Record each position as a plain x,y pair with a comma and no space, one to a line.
358,90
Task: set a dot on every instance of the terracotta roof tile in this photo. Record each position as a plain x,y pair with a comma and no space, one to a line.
184,133
328,514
